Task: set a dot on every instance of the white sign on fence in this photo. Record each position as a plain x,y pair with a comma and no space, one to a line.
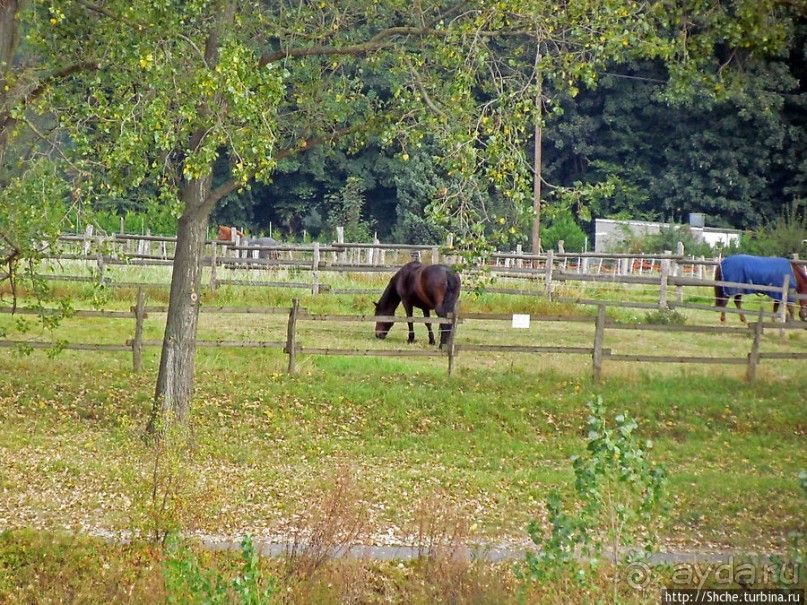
521,322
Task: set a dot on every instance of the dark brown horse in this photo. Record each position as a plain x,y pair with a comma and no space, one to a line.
426,287
760,271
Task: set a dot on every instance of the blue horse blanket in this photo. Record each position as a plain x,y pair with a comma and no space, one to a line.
758,270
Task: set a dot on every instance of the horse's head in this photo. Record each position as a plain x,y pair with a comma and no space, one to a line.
801,288
382,328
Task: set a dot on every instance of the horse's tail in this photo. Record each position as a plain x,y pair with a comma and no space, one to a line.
720,295
452,292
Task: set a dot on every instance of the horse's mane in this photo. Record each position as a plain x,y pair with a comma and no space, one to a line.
390,299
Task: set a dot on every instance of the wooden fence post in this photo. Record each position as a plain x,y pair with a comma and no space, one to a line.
550,259
599,336
213,260
665,276
315,270
340,239
100,268
452,336
137,343
677,270
372,252
291,336
87,240
753,356
783,306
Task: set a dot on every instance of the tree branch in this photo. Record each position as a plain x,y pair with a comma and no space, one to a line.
108,13
377,42
233,185
8,121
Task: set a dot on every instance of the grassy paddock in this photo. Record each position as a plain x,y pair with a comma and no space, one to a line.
495,437
490,441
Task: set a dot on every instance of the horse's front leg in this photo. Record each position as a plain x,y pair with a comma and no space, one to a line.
789,310
409,310
738,302
429,327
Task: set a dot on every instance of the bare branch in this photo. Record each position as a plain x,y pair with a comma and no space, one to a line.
374,44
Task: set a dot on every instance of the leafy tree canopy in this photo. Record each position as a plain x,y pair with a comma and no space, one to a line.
157,95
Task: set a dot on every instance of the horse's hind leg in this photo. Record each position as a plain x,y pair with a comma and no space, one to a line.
429,327
445,329
721,304
721,300
738,302
409,309
445,333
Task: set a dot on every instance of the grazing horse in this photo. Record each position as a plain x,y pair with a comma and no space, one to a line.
761,271
426,287
226,234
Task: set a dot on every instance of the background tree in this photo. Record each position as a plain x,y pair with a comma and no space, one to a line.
35,198
730,149
195,98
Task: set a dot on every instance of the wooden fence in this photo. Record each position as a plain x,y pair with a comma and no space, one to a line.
599,353
667,272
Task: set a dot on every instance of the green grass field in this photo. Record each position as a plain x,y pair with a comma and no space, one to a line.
490,441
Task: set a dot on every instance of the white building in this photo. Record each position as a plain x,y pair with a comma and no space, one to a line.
609,235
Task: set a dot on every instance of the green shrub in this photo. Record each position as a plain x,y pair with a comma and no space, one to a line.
617,491
786,236
564,228
187,582
665,317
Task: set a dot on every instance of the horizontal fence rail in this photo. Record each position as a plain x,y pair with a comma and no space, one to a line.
669,273
599,353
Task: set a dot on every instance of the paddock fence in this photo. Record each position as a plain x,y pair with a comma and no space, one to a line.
603,350
231,264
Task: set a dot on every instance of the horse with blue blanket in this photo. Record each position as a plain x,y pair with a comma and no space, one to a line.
760,271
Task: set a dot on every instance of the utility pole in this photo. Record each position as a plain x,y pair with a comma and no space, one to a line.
538,136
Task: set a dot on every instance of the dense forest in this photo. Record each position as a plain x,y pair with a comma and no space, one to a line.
737,154
740,160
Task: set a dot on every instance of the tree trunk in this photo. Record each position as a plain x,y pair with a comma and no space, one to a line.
538,175
172,399
9,39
